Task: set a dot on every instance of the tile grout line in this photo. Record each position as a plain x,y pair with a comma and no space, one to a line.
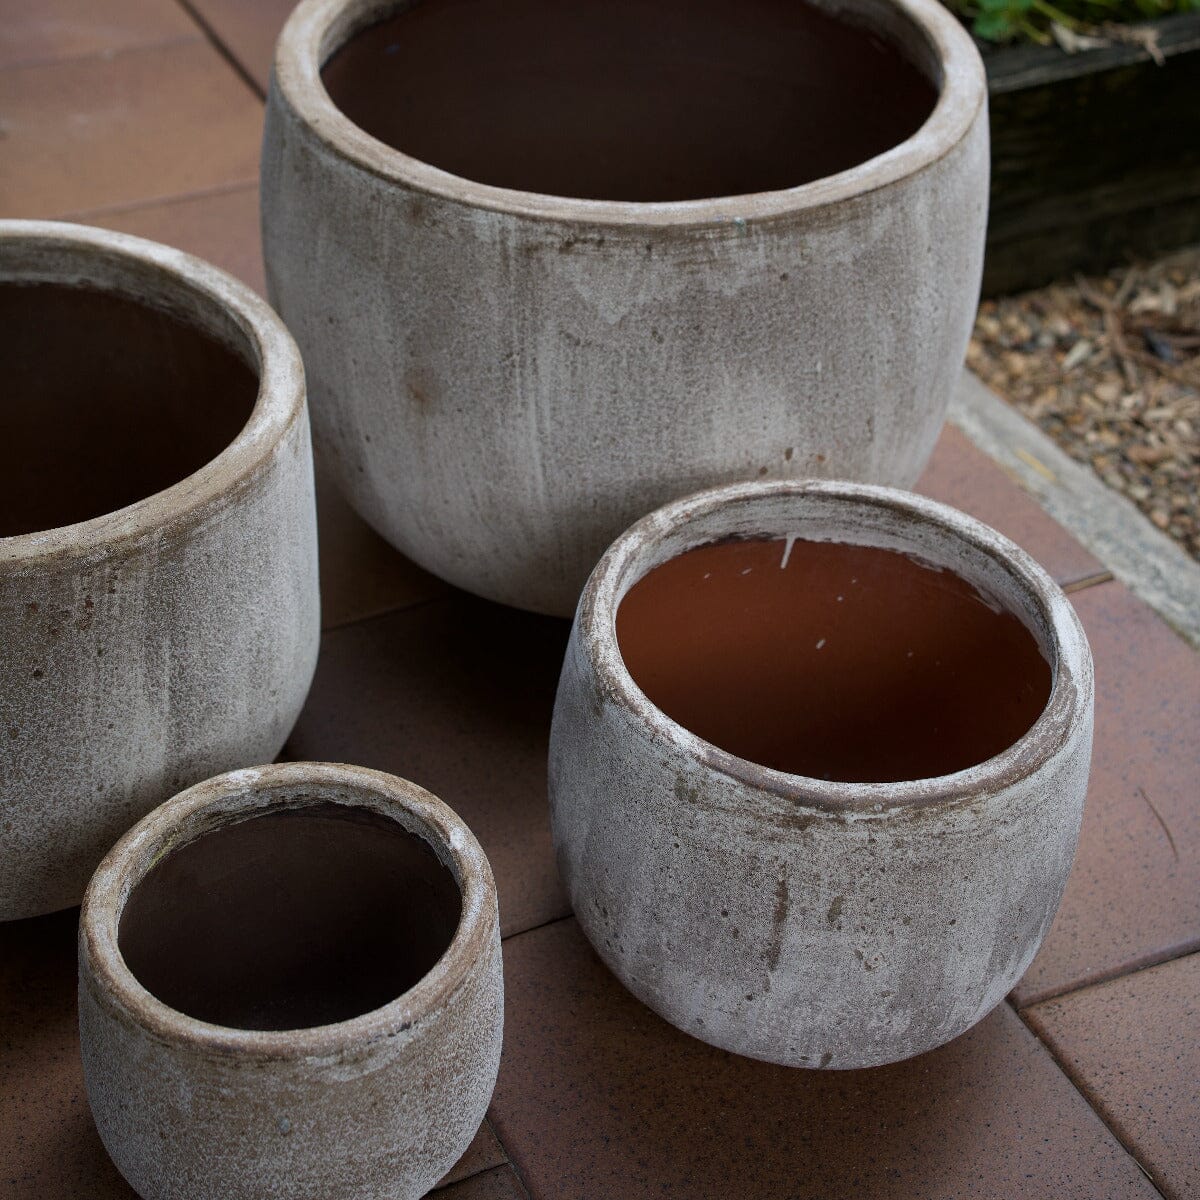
64,60
113,210
508,1158
1088,581
512,1166
222,49
520,1179
1070,989
508,937
387,612
1075,1083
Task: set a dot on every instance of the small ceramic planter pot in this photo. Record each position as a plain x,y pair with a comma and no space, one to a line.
551,265
159,613
290,986
936,687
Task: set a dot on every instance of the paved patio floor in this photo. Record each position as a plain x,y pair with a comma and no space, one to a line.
145,116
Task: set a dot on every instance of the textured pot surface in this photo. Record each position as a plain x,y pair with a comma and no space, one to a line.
802,921
147,647
503,379
379,1105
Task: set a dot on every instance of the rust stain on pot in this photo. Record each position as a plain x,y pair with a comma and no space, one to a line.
418,393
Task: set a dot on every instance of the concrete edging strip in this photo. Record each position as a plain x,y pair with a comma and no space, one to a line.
1148,562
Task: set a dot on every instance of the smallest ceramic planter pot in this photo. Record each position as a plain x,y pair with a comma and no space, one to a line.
290,986
818,766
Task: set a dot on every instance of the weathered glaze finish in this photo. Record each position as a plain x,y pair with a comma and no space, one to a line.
503,380
152,646
796,920
379,1106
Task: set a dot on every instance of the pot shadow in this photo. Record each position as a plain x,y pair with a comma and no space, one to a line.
49,1147
455,694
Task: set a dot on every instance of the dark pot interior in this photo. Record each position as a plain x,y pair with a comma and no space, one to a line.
290,920
635,100
850,663
106,401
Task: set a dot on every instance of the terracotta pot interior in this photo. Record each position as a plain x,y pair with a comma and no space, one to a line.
634,100
291,920
832,661
106,401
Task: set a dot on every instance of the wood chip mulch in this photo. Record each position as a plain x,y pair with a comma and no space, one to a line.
1109,367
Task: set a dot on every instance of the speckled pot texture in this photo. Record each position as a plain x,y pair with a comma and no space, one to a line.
802,921
378,1105
159,612
504,379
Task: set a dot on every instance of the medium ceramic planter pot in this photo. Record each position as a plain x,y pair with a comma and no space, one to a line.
843,921
290,986
551,265
159,615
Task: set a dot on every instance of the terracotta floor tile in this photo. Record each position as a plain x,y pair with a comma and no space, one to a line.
1134,894
117,130
361,575
962,475
221,227
455,695
49,1148
52,30
499,1184
1133,1047
599,1097
247,30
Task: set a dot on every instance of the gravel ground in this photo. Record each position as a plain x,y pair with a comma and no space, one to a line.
1109,367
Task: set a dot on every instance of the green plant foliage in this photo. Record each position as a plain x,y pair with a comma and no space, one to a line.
1013,20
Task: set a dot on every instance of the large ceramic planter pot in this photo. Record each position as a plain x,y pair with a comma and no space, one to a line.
821,922
290,986
159,615
622,251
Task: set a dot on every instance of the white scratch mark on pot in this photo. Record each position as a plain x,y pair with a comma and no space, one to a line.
820,643
246,777
789,542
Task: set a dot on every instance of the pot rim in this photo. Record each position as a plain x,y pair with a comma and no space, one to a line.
1064,643
245,794
317,28
59,252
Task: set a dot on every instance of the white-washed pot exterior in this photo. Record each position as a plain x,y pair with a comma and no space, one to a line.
155,646
377,1108
503,381
798,921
